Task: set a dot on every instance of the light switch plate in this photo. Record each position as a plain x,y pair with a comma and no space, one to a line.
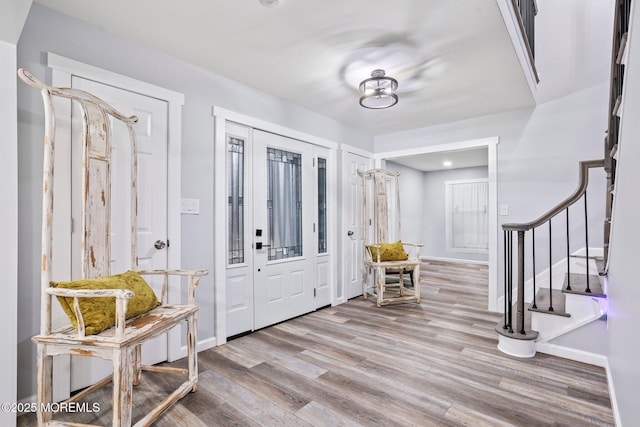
190,206
504,210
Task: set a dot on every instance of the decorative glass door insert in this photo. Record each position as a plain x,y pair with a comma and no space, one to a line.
284,204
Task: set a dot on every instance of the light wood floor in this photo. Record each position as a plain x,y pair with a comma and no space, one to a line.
429,364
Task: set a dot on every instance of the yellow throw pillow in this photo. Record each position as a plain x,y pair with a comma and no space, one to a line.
390,252
100,313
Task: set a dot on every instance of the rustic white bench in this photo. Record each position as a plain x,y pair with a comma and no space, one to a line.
121,343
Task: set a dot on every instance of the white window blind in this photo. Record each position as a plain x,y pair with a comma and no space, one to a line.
466,215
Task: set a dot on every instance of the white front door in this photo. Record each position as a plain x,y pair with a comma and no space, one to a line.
353,230
323,171
152,132
283,212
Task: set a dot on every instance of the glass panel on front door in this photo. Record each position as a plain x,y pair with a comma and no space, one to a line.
284,204
235,193
322,205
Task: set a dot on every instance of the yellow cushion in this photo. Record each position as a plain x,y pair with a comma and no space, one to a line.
100,313
390,252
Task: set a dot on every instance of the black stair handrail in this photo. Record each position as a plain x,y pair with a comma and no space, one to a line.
521,228
585,165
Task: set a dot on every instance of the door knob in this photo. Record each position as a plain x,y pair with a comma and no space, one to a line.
349,233
159,244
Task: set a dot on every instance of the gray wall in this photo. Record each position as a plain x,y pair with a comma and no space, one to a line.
411,188
538,156
422,206
624,289
49,31
434,230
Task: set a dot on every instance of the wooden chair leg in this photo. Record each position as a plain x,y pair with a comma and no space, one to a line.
380,278
44,384
137,365
192,351
122,386
415,279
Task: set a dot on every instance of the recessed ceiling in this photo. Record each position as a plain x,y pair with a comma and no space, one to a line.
458,159
453,59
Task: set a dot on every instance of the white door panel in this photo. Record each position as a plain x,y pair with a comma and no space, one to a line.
283,210
239,271
353,234
152,139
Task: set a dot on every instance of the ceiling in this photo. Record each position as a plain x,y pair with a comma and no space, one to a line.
453,59
430,162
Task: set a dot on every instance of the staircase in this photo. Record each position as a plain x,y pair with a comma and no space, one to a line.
572,292
561,297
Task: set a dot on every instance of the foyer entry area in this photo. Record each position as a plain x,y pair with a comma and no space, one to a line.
327,367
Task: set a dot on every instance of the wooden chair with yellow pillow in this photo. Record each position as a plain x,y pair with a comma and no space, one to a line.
111,315
385,258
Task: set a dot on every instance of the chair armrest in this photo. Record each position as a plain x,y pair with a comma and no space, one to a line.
193,280
122,297
416,247
368,252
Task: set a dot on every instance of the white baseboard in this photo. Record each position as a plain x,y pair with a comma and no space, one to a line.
572,354
458,260
201,346
612,396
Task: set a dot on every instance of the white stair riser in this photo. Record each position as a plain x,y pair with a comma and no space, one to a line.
583,309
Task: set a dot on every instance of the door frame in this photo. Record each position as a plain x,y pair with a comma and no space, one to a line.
492,148
221,116
62,71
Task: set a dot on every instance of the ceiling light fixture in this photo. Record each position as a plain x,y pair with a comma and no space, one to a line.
378,91
269,3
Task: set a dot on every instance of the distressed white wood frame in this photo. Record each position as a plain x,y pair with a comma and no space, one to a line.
122,343
492,158
221,116
62,71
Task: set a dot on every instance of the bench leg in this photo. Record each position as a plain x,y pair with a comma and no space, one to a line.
192,351
415,279
137,365
44,384
123,365
380,279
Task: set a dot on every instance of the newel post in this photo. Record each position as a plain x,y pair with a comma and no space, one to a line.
520,316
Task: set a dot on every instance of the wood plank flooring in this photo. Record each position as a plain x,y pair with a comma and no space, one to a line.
428,364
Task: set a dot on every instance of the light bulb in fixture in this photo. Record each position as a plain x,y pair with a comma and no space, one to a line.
378,91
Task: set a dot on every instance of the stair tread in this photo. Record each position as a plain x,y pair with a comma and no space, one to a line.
529,334
543,301
579,285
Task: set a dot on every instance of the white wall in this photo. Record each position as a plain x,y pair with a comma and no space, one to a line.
538,156
624,286
422,206
434,228
411,190
12,16
8,226
49,31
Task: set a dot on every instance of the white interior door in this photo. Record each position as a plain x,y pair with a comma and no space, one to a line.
283,214
353,232
152,139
